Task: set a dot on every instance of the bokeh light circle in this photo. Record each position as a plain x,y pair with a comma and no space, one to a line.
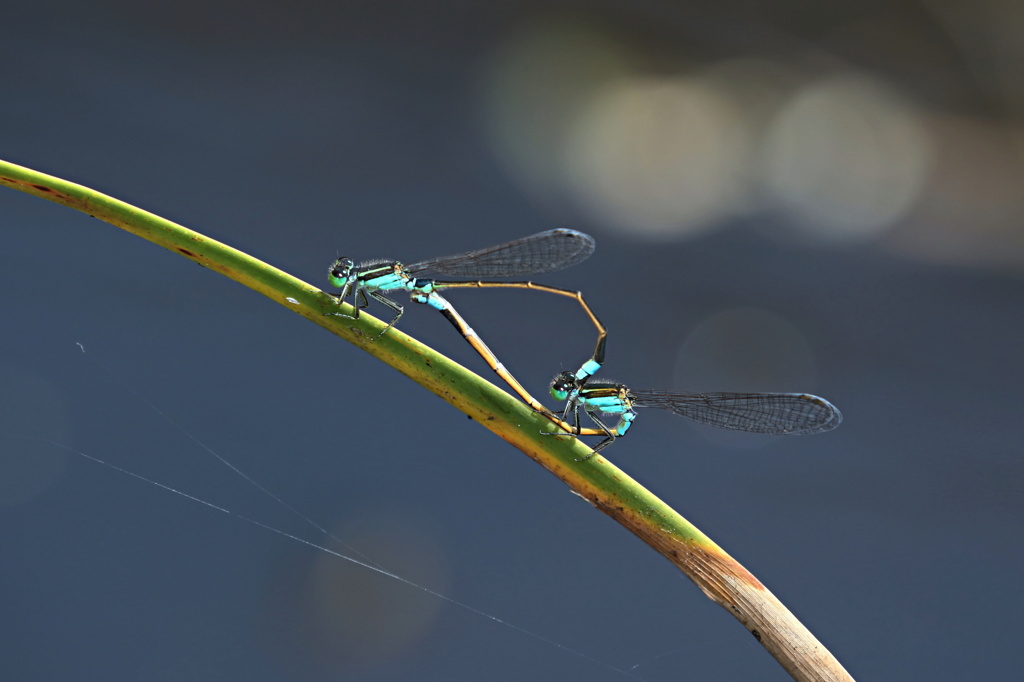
846,158
657,156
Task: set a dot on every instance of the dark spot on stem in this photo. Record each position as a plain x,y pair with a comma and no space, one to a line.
42,188
756,634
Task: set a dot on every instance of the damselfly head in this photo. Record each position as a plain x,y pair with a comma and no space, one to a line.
341,271
562,385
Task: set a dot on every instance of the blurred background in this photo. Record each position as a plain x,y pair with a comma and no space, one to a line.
787,196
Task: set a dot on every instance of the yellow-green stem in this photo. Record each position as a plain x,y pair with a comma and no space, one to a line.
597,480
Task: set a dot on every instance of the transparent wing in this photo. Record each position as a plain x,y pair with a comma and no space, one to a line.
537,253
778,413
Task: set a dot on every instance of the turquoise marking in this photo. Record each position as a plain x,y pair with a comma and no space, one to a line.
589,369
424,285
624,423
433,299
608,405
389,282
612,405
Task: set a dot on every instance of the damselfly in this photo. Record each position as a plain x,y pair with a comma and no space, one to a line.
773,413
534,254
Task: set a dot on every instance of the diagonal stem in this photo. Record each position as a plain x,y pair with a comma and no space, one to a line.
718,575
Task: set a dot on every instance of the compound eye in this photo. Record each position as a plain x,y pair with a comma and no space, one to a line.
340,272
562,385
342,267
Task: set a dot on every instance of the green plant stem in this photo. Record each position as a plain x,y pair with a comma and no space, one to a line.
597,480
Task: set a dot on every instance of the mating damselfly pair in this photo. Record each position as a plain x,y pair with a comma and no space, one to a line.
771,413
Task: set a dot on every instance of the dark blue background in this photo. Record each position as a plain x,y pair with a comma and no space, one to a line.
355,127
